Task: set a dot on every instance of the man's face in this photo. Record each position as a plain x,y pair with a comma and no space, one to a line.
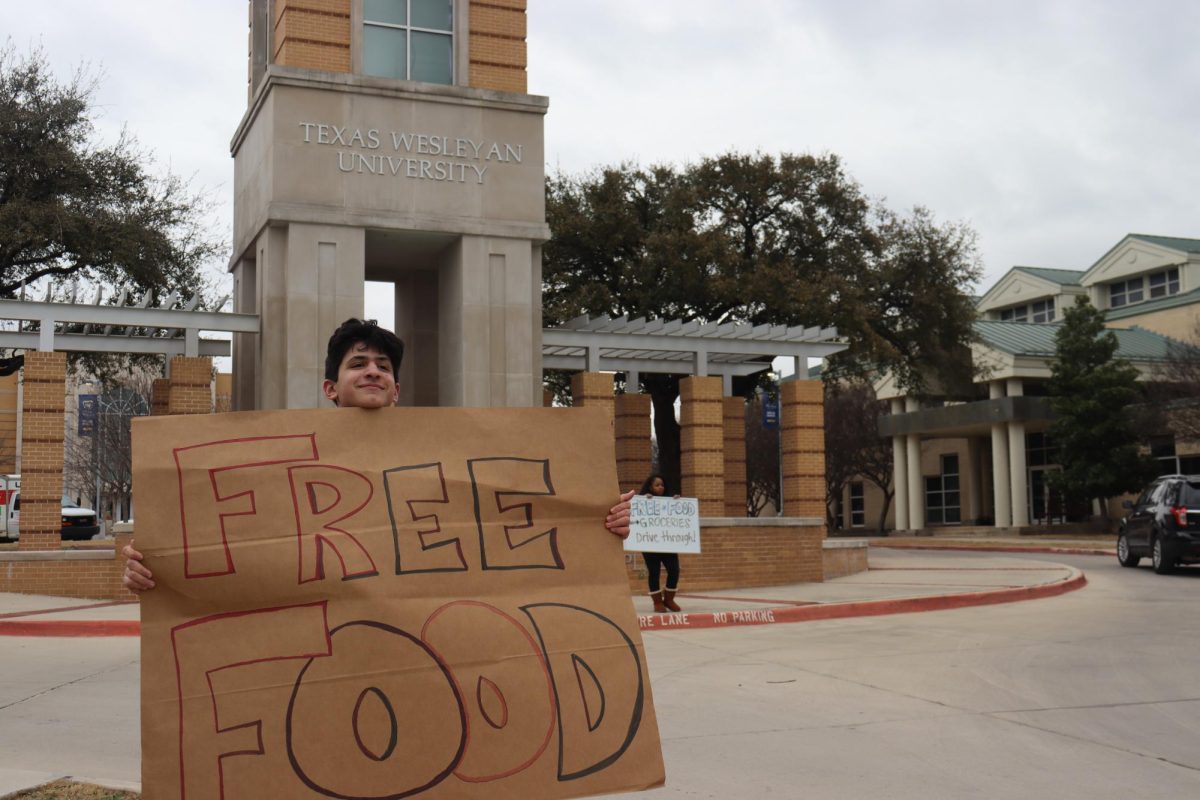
364,380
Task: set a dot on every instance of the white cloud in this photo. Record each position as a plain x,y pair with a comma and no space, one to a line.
1053,126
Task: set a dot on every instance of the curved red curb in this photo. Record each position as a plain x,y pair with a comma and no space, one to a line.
867,608
650,622
70,627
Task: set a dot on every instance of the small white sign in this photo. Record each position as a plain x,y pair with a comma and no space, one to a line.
663,524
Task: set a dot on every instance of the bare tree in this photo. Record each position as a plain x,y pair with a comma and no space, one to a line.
853,446
762,460
103,459
1175,391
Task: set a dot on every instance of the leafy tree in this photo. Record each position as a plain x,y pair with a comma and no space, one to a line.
853,446
762,239
1091,393
907,311
72,208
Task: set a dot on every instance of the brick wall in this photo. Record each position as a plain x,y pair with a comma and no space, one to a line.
40,565
846,560
744,556
632,431
313,34
44,385
87,574
802,431
160,395
8,422
497,40
734,410
191,385
316,34
702,443
593,390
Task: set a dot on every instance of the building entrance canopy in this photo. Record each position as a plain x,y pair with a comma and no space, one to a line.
604,344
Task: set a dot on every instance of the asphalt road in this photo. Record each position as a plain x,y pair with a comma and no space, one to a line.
1093,694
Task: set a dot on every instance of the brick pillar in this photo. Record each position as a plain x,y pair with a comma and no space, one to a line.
42,426
312,35
160,393
593,389
701,443
735,456
802,430
632,429
547,398
191,385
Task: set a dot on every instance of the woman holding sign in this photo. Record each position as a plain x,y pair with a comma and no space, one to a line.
664,601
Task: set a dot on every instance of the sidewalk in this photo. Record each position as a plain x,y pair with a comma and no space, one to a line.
1070,544
905,575
85,689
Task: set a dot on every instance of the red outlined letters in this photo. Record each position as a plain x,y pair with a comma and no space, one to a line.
200,469
323,496
205,647
510,722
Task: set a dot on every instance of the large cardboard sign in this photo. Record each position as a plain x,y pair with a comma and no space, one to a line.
386,604
664,524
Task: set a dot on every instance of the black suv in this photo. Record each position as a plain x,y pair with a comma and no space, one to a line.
1163,523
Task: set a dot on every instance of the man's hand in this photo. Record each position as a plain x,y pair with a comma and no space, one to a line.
618,516
137,577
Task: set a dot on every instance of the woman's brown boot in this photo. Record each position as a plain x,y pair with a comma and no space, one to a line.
669,600
657,597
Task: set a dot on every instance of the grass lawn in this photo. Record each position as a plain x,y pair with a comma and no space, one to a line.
70,790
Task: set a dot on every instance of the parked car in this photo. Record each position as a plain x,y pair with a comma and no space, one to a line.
77,522
1163,523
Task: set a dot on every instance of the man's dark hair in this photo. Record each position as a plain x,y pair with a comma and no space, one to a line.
352,332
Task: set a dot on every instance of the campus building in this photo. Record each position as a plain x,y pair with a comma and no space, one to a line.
984,462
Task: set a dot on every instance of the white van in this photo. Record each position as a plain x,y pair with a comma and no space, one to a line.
77,522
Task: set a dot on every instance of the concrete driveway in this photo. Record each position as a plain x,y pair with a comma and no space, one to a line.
1087,695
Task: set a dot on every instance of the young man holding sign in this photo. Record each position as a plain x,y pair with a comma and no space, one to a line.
362,366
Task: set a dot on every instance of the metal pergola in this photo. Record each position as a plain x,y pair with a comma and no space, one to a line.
163,329
604,344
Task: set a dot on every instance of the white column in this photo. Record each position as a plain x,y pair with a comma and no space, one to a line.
1001,496
1017,473
974,488
900,473
916,485
487,315
1018,476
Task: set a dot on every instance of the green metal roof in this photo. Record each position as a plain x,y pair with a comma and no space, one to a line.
1150,306
1171,242
1063,277
1035,339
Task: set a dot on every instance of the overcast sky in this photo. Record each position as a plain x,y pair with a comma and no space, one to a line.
1053,127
